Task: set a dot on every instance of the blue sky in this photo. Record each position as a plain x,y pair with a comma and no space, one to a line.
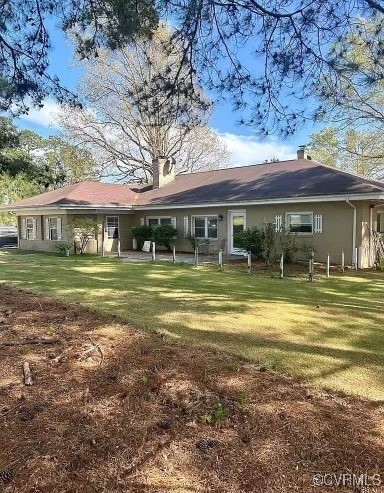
241,141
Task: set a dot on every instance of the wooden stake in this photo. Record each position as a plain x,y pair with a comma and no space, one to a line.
27,374
342,261
328,264
174,255
311,261
118,247
221,259
153,251
197,256
249,262
282,266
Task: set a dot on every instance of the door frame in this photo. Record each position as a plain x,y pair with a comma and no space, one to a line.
231,214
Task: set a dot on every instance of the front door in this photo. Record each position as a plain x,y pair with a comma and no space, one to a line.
237,224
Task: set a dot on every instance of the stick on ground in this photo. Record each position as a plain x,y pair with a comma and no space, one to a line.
27,374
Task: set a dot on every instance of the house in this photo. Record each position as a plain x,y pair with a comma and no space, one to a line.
331,209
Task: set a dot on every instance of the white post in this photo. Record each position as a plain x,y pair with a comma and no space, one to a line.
174,255
221,259
153,251
249,262
356,257
328,264
197,256
342,261
311,260
118,247
282,266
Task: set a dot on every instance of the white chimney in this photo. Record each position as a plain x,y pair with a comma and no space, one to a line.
163,171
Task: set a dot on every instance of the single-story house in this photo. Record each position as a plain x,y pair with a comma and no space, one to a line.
332,209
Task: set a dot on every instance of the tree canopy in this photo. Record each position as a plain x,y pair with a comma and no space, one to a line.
267,55
130,119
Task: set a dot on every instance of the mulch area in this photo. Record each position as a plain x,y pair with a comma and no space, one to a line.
113,409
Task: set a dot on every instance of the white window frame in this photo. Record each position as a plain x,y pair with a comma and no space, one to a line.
57,228
298,233
32,229
206,217
159,218
118,227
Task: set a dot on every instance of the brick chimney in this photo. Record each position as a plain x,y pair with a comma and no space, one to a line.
163,171
302,153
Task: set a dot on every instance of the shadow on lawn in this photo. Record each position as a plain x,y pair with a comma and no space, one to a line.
148,295
135,422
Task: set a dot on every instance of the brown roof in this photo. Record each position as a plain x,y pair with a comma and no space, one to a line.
84,193
284,179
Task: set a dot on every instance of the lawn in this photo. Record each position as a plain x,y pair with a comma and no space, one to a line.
330,332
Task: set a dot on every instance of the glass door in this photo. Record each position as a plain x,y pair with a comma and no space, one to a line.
237,225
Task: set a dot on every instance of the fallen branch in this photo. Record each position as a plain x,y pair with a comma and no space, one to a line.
27,374
59,358
25,342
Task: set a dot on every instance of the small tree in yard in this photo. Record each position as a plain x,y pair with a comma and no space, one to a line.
84,229
270,238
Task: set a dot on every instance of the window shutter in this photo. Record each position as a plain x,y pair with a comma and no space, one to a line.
318,223
46,228
59,232
34,232
23,228
173,222
278,222
186,226
141,221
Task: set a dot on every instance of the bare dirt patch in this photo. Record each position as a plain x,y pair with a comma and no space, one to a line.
112,409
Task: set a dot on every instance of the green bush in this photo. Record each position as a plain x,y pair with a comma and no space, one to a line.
270,237
305,250
163,235
142,234
289,245
252,240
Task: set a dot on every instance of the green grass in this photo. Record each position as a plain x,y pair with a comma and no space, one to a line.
330,332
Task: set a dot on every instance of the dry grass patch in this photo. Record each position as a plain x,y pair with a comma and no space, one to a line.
161,417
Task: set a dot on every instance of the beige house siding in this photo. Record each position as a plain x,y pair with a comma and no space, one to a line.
336,235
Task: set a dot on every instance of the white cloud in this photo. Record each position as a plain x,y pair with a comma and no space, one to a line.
247,150
46,116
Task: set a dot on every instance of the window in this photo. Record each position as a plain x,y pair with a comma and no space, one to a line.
30,228
380,222
113,227
300,222
205,226
161,220
52,228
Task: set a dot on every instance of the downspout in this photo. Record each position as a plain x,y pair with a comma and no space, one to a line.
354,259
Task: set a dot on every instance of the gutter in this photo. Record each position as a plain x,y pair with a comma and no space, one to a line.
354,256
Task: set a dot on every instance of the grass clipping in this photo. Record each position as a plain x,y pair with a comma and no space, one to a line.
114,409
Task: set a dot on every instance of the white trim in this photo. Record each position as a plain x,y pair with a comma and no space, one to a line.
231,214
118,228
318,223
59,229
298,233
186,226
46,229
205,216
173,220
278,222
290,200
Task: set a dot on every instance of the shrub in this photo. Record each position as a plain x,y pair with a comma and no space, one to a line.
289,245
163,235
305,250
64,248
142,234
252,240
270,238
